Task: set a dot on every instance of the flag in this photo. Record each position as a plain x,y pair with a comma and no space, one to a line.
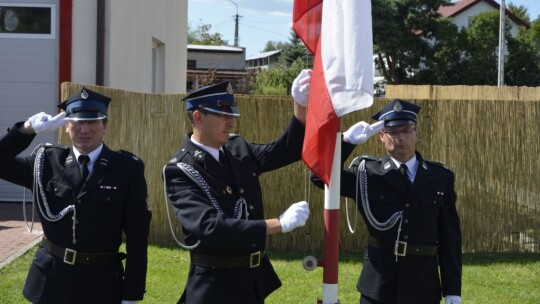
342,79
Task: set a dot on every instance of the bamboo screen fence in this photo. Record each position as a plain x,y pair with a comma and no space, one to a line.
492,144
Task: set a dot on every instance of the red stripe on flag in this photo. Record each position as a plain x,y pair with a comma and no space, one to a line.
307,15
322,124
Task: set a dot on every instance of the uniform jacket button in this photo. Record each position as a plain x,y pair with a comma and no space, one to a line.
407,205
79,201
241,190
251,207
405,237
406,221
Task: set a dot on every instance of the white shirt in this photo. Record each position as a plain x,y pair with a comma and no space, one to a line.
93,156
412,166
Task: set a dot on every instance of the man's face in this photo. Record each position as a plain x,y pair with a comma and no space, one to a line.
400,141
86,135
212,129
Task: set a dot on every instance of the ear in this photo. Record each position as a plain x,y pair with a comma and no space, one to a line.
381,136
197,116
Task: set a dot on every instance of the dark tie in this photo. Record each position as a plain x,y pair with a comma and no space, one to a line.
403,170
222,159
83,161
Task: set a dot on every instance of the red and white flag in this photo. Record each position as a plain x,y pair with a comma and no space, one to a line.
339,32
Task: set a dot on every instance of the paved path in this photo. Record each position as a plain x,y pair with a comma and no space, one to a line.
15,239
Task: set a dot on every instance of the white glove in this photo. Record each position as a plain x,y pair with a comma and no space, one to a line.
300,87
453,300
42,122
360,132
129,302
295,216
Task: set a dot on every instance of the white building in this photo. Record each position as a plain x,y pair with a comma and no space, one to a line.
208,64
136,45
463,11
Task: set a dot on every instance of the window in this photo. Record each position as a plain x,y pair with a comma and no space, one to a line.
158,66
27,20
191,64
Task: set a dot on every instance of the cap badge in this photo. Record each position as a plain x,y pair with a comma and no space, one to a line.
84,94
398,107
229,89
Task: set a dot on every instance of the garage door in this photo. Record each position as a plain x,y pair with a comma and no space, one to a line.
28,69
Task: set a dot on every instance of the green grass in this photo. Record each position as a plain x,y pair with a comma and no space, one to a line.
487,278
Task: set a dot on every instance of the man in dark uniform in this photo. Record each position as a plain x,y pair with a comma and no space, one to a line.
213,184
87,196
409,207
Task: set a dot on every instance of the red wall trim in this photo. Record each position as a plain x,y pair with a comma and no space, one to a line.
64,43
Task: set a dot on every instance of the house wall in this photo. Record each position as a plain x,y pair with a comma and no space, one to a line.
218,60
133,27
462,20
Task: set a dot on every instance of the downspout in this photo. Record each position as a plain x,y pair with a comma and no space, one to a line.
100,43
64,43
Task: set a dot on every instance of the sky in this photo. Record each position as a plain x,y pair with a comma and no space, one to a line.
267,20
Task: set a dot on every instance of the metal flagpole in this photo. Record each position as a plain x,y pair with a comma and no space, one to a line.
502,11
331,229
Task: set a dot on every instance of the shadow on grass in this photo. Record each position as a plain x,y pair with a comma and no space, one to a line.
473,259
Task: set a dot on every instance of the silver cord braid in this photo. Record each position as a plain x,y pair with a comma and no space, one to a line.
240,204
38,191
361,180
188,247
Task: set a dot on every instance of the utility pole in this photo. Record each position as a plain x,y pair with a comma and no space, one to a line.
236,17
502,11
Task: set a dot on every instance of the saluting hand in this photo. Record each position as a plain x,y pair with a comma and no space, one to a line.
360,132
295,216
300,87
42,122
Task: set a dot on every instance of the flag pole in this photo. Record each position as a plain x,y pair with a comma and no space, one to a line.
331,229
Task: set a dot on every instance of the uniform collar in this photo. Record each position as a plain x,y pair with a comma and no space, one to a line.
212,151
93,155
412,165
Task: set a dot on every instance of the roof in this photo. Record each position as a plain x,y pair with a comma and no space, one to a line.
214,48
218,72
263,55
460,6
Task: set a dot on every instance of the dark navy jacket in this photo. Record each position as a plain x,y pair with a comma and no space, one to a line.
219,232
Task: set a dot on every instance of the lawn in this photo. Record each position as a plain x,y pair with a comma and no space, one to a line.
487,278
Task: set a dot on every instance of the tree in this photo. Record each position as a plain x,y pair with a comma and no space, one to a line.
274,46
201,35
293,50
481,53
402,33
519,11
278,80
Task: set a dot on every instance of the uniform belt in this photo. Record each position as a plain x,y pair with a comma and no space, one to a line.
72,257
400,248
251,261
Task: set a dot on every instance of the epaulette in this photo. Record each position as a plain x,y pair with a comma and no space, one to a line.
367,158
178,157
370,158
57,146
440,165
129,155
